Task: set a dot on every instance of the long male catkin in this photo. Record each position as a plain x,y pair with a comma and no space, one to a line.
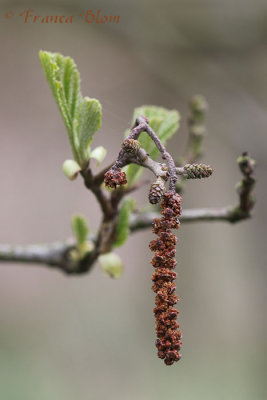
169,336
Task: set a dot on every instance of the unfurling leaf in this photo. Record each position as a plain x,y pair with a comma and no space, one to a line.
164,122
64,80
111,265
71,169
79,228
88,122
82,116
99,153
122,229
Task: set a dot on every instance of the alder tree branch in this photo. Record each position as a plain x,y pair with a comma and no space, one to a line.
59,255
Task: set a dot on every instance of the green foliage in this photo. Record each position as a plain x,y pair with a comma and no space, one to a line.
81,115
164,122
71,169
111,265
122,229
79,228
88,122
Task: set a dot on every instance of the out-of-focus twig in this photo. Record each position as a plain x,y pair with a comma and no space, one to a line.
198,107
196,128
245,187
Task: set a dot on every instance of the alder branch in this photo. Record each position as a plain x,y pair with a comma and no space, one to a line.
53,255
188,171
59,255
56,254
139,156
143,220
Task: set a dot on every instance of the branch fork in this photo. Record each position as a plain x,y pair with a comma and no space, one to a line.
59,255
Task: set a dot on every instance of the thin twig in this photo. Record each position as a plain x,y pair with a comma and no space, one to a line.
141,125
144,220
165,155
196,129
246,185
198,107
56,254
99,178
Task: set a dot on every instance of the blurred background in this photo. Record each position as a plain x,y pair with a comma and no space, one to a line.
91,337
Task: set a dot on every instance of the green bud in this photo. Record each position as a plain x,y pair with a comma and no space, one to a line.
99,153
71,169
198,104
111,265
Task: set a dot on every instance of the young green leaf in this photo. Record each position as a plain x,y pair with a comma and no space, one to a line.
88,122
82,116
164,122
71,169
111,265
99,153
79,228
122,229
64,80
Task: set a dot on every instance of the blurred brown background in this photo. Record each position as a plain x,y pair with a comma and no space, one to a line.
91,337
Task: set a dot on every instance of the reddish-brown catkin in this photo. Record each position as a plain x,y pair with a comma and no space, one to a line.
115,177
169,336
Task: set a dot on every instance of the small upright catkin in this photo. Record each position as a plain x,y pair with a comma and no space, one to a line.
115,177
156,191
198,171
169,336
131,146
